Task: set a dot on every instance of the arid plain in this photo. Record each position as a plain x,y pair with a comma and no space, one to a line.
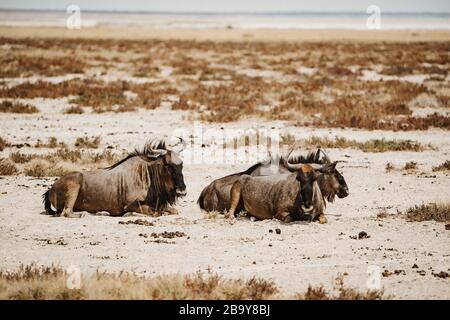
376,101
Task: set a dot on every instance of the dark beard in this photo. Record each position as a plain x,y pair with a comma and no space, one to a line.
331,196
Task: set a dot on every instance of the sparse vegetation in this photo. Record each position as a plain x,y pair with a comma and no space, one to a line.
61,161
331,95
86,142
7,168
373,145
410,165
37,283
17,107
52,142
74,110
3,144
389,167
40,168
431,211
445,166
18,65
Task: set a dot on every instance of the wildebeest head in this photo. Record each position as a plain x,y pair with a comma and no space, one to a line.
330,180
306,175
171,161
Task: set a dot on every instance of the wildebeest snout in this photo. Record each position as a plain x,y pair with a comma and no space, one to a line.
343,192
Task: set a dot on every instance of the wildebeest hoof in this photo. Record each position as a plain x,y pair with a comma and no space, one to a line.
322,219
73,215
171,211
228,215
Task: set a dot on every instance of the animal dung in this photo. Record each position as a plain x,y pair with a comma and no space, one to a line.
361,235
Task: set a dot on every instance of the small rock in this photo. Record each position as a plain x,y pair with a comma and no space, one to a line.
270,231
441,274
415,266
447,226
278,230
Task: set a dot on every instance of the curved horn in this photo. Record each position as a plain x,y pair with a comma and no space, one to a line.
151,148
327,159
292,166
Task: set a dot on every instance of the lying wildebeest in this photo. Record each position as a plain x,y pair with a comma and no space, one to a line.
146,181
216,196
286,197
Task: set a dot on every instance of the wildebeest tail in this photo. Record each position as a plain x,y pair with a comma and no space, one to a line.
201,198
47,203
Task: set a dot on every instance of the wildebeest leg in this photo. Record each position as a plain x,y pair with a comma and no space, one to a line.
71,196
284,216
170,211
235,196
141,207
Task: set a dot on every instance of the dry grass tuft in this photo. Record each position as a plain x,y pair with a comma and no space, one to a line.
61,161
86,142
341,292
345,293
389,167
431,211
74,110
42,168
22,65
38,283
445,166
374,145
52,142
7,168
3,144
19,157
410,165
17,107
33,282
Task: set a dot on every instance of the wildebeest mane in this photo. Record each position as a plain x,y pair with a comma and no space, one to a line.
143,153
311,157
161,190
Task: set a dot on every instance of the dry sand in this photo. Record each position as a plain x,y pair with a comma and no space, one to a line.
302,254
227,34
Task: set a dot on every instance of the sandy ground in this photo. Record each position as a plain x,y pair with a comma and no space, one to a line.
228,34
302,254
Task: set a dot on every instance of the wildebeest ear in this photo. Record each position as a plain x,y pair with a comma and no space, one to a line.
328,168
316,175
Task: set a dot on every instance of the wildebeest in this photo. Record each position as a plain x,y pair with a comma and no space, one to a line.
147,181
331,184
216,196
286,197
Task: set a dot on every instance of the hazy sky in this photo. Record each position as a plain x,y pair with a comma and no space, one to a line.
234,5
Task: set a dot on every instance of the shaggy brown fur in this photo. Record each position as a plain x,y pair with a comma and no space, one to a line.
147,182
